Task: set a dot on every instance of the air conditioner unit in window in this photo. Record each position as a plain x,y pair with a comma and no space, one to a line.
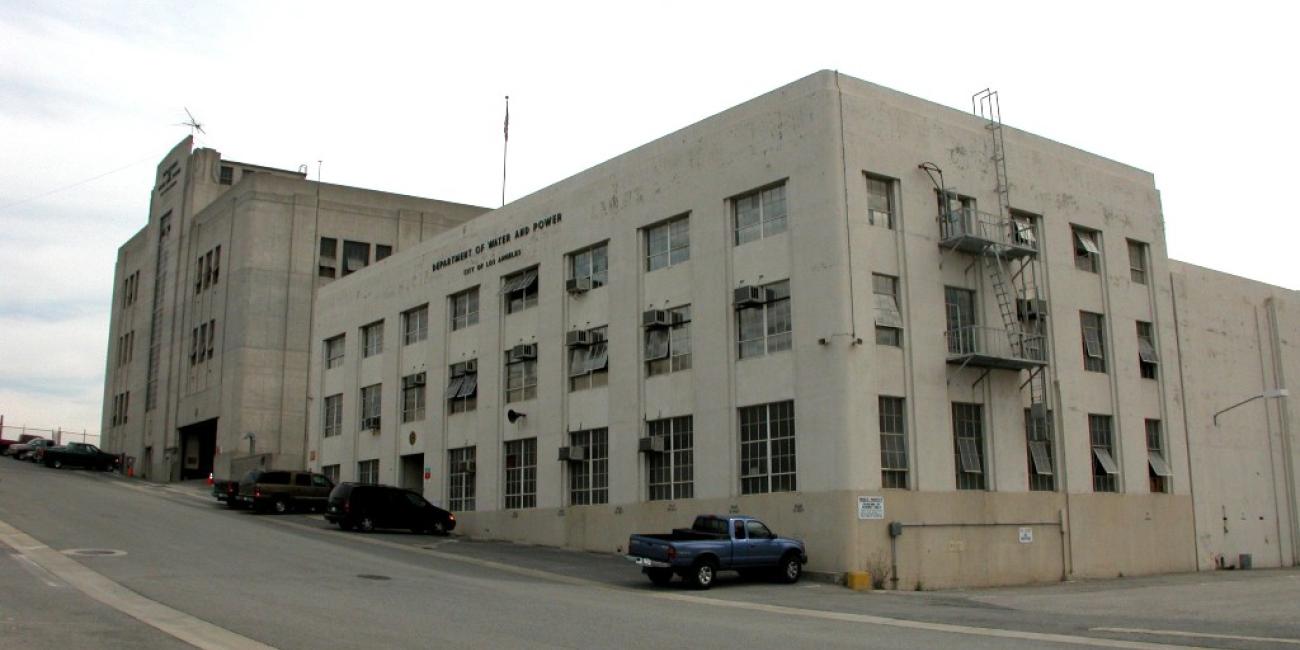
651,445
469,467
523,351
470,366
1031,308
371,423
749,296
578,285
656,318
578,338
418,379
573,454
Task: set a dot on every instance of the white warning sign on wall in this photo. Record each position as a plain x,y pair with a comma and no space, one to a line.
871,507
1026,535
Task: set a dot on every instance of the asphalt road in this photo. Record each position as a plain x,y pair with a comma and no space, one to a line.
93,560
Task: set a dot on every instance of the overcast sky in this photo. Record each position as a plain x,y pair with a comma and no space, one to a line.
408,98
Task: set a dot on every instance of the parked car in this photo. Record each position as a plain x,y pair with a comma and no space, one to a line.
30,449
5,445
282,491
227,491
79,454
367,507
716,543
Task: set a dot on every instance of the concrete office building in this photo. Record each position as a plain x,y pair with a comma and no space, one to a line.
208,340
833,306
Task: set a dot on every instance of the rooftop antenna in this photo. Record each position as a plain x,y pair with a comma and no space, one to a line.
196,127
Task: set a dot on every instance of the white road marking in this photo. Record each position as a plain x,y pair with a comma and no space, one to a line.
191,630
1204,635
772,609
36,570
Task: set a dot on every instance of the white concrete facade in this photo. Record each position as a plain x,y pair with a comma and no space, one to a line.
212,306
821,140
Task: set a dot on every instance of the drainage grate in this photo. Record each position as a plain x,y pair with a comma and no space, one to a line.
371,576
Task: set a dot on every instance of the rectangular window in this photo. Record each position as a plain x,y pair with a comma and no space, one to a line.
1148,360
216,265
668,349
520,290
461,474
767,448
356,256
968,445
368,472
207,270
589,477
462,387
893,443
413,397
1157,460
765,328
1105,471
521,473
203,342
372,339
382,251
1038,445
759,214
370,397
415,325
521,379
1087,249
212,336
1094,347
589,364
672,473
328,256
1137,261
227,175
889,319
668,243
1024,228
332,420
198,275
331,472
464,309
959,307
880,201
334,351
590,264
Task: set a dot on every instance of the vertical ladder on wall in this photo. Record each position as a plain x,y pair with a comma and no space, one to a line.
986,104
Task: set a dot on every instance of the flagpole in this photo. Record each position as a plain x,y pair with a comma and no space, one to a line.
505,150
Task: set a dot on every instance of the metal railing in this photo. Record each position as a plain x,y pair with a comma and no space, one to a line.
974,340
969,222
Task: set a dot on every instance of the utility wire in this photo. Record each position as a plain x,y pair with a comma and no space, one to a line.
74,185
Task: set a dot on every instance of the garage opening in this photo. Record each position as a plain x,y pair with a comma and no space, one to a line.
198,446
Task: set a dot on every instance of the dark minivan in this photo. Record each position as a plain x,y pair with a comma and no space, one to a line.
367,507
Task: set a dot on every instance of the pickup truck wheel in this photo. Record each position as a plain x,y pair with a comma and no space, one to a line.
280,506
366,524
790,569
703,573
57,464
660,577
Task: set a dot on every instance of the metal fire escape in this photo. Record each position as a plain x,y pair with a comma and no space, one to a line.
1007,247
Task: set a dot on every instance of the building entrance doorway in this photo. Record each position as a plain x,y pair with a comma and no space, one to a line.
198,446
412,474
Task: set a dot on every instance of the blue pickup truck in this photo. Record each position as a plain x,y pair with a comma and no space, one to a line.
716,543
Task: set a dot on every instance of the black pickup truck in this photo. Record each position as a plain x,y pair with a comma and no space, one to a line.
227,491
79,454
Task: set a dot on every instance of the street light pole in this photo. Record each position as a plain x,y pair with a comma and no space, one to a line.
1268,394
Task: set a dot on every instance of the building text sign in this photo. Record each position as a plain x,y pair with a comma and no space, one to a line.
871,507
497,242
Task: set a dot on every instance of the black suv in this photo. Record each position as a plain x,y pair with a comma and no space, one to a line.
367,507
